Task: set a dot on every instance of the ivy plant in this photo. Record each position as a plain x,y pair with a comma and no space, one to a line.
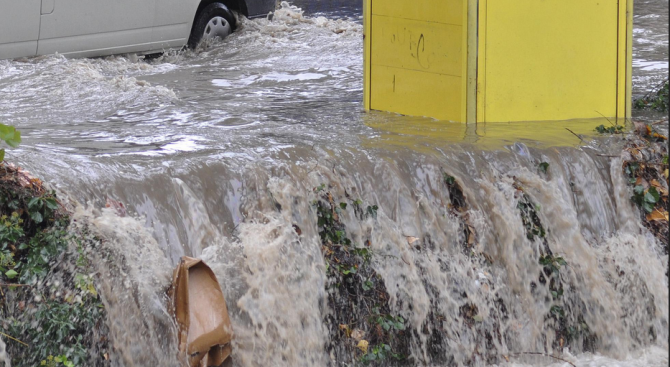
10,136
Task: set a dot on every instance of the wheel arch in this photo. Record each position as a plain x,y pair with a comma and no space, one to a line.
239,6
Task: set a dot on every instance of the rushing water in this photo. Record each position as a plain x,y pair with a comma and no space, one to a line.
218,152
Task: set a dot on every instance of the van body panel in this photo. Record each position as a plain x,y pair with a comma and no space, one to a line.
89,28
100,44
19,27
80,25
15,50
173,20
48,6
171,36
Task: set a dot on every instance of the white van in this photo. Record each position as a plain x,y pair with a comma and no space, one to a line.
87,28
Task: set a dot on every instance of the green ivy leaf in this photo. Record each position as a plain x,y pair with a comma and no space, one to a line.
367,285
36,216
11,274
652,196
51,203
15,140
33,202
372,211
544,167
2,155
6,132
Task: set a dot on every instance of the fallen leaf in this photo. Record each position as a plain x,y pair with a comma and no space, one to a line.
635,152
641,182
346,329
659,187
471,236
658,214
654,134
363,346
358,334
411,240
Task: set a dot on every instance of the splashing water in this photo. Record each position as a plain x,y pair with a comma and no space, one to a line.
218,153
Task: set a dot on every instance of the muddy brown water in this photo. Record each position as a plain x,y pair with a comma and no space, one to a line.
217,153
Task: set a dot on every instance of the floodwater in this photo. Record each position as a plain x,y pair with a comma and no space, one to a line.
216,154
650,46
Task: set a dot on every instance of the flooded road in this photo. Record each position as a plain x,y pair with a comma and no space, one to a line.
217,154
650,47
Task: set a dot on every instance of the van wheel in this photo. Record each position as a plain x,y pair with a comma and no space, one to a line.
215,20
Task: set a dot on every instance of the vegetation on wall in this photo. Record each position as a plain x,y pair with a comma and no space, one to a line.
50,311
645,165
657,98
363,327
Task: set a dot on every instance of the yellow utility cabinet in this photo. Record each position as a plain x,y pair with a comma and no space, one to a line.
499,60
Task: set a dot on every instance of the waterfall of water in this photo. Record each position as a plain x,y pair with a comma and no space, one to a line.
481,303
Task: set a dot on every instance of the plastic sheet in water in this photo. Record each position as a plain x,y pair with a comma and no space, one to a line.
201,314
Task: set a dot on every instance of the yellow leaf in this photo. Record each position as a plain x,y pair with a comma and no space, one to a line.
666,173
363,346
91,290
346,329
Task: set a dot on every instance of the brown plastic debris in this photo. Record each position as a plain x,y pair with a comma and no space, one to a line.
201,314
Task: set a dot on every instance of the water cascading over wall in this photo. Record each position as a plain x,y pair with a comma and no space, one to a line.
481,255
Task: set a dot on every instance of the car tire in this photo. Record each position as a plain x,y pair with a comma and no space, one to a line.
215,20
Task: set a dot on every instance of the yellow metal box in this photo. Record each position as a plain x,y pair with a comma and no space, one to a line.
499,60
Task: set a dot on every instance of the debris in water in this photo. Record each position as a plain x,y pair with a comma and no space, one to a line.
200,310
117,206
